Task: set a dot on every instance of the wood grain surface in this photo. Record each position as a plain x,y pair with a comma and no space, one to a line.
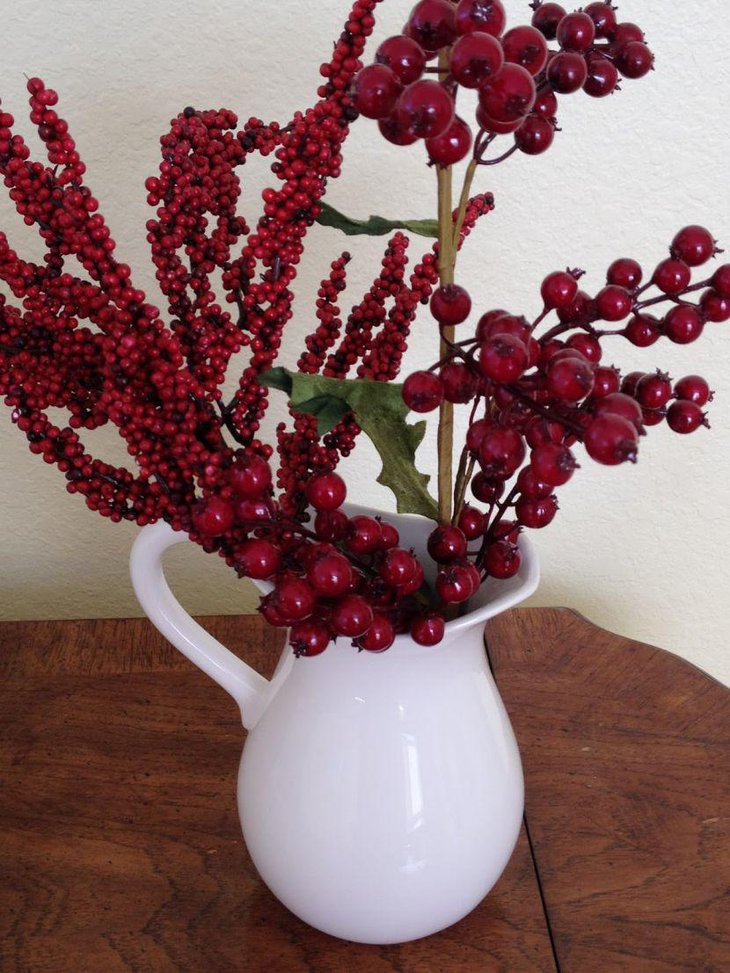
120,848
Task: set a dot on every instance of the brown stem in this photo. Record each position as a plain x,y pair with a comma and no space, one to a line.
446,411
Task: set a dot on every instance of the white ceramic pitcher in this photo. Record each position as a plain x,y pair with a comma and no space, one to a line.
380,795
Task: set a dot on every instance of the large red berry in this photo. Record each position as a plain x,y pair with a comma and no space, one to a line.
558,289
213,517
529,485
552,463
376,91
446,543
509,95
605,381
535,135
294,599
432,24
326,491
455,583
624,34
352,616
567,72
450,304
721,281
426,109
330,574
423,391
379,637
685,417
613,303
610,439
452,145
536,513
502,560
483,15
546,104
250,476
428,629
693,388
363,535
503,358
634,60
694,245
393,129
623,405
546,18
475,58
672,276
569,379
604,19
602,77
683,324
309,638
398,566
404,56
643,330
460,383
259,558
576,32
501,452
472,522
625,272
714,307
527,47
654,391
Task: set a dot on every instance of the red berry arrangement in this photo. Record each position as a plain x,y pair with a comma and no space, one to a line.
88,341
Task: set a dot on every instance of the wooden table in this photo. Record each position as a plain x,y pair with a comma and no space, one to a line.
120,847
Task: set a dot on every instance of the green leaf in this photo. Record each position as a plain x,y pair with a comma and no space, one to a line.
381,413
375,225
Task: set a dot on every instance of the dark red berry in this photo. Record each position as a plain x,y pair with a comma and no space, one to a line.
714,307
294,599
501,452
489,124
475,58
326,491
502,560
654,391
643,330
567,72
552,463
721,281
250,476
605,381
546,19
625,33
428,629
432,24
586,345
459,382
527,47
604,19
379,637
455,583
621,404
685,417
613,303
683,324
672,276
693,388
426,109
395,131
625,273
634,60
446,543
330,574
486,489
451,146
352,616
530,486
376,91
503,358
331,525
423,391
536,513
546,104
398,566
576,32
535,135
569,379
472,522
363,535
450,304
404,56
610,439
694,245
483,15
309,638
509,95
558,289
258,558
602,77
213,517
630,381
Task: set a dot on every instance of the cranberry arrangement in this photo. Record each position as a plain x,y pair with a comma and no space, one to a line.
538,391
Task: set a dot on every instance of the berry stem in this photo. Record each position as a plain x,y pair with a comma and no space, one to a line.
446,410
463,202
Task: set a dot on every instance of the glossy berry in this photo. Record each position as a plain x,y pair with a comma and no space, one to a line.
426,109
363,535
643,330
483,15
693,388
486,489
509,95
352,616
714,307
450,304
552,463
490,124
423,391
259,558
455,584
610,439
624,34
330,574
398,566
460,384
604,19
247,510
576,32
546,104
623,405
472,522
404,56
376,91
451,146
309,638
685,417
558,289
603,77
294,599
683,324
535,135
527,47
625,273
536,513
428,629
605,381
567,72
213,517
672,276
630,381
379,637
721,281
395,131
432,24
503,358
569,379
326,491
586,345
546,19
654,391
501,452
331,526
634,60
502,560
446,543
613,303
694,245
530,486
475,58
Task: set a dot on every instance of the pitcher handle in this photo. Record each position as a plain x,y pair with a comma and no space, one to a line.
250,690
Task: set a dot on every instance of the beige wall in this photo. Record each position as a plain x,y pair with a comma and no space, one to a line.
643,551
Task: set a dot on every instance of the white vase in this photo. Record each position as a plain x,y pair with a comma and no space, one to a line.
380,795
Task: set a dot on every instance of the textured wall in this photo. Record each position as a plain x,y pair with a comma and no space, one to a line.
639,550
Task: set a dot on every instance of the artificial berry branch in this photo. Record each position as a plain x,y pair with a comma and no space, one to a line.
94,346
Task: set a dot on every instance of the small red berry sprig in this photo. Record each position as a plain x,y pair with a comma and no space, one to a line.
516,74
534,396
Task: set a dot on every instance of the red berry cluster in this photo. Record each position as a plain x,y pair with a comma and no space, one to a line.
534,396
516,74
